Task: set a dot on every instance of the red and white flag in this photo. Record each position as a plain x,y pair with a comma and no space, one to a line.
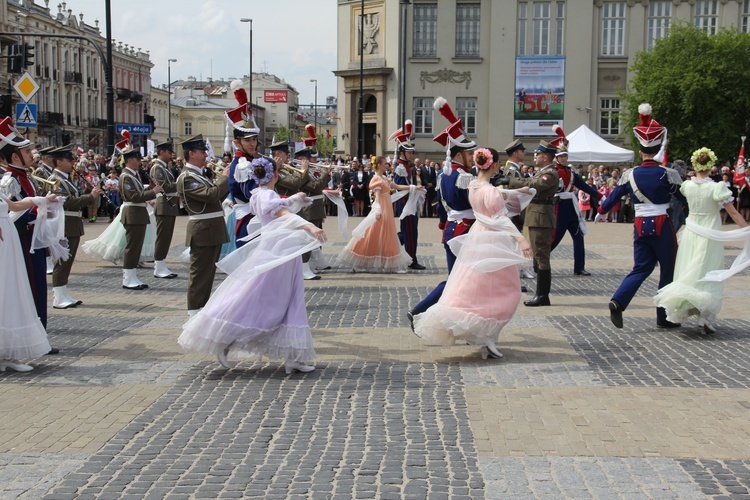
741,158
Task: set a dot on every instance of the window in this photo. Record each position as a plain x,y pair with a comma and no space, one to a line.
706,15
467,30
423,115
466,110
746,16
613,29
560,29
542,40
609,123
659,16
425,30
541,28
522,28
188,128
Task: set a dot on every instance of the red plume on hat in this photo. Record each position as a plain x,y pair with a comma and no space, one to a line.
240,118
402,135
239,92
649,132
454,135
9,135
562,140
442,106
310,141
123,144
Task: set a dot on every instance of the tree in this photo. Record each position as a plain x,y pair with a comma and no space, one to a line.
699,88
282,134
324,145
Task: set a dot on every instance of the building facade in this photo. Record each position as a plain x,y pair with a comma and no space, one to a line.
71,100
281,103
509,69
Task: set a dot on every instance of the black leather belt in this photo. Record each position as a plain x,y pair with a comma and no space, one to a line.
543,202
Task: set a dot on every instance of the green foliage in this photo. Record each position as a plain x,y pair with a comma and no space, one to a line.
699,88
282,134
324,145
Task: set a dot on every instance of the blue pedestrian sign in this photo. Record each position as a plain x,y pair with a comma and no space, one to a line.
135,128
25,114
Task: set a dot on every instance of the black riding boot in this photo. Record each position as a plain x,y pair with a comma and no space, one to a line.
543,285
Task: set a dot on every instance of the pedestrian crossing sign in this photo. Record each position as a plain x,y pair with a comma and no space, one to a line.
25,114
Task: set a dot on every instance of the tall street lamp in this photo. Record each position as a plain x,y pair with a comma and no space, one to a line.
250,75
169,98
316,105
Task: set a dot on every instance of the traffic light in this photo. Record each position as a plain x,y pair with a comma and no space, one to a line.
6,105
27,55
14,58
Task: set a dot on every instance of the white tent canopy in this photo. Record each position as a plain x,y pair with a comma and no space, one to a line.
585,146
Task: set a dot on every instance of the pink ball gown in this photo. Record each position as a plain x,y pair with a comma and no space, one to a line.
484,287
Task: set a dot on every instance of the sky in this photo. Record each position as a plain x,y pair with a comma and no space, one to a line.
208,39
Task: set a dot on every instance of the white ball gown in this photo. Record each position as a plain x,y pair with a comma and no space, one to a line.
110,245
22,335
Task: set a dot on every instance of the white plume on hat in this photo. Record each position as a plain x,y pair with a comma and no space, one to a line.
645,109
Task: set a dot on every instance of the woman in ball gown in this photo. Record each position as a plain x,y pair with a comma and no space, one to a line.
700,254
374,245
259,310
22,335
110,245
484,288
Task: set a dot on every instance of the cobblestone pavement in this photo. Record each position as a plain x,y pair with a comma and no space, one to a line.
575,409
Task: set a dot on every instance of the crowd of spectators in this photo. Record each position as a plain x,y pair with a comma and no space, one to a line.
352,176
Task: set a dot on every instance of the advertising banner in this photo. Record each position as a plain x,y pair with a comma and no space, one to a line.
540,94
274,95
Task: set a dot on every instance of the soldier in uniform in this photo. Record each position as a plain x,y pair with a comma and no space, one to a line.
454,209
206,230
569,218
44,170
45,163
540,218
516,152
167,208
317,182
134,214
17,184
62,162
651,187
245,136
307,183
404,174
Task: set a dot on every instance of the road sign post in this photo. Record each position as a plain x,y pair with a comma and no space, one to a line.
26,114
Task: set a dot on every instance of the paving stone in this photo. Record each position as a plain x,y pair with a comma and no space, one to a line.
383,416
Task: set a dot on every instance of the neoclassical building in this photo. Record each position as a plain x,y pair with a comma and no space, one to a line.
72,90
509,69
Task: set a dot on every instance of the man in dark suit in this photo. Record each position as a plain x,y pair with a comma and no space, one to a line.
429,181
345,183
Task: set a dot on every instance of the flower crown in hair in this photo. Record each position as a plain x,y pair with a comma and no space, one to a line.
267,166
711,162
489,159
